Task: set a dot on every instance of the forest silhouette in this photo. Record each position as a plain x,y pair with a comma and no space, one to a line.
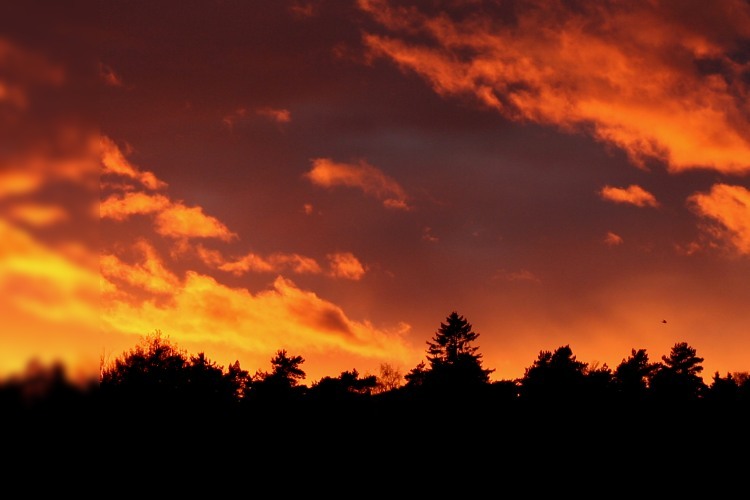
156,375
156,406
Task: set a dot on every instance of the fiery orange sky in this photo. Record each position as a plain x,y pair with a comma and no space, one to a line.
334,178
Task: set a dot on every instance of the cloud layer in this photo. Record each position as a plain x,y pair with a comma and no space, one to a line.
633,195
372,181
655,78
728,208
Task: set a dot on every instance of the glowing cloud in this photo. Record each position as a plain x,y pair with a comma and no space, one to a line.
37,214
346,265
22,70
45,282
520,275
370,180
232,118
121,207
274,263
203,310
612,239
15,182
115,163
109,77
149,274
277,115
428,236
729,208
633,194
179,221
642,76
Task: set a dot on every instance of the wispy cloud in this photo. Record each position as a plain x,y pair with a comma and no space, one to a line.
519,275
109,76
277,115
346,265
633,195
648,77
180,221
340,265
242,114
372,181
230,119
115,163
303,9
428,236
274,263
149,274
120,207
728,208
171,218
612,239
201,309
36,214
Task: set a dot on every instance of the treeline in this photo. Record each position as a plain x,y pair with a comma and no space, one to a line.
157,374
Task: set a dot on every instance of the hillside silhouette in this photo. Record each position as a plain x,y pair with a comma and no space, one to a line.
156,374
156,406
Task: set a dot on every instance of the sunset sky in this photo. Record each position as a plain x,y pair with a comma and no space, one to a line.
335,177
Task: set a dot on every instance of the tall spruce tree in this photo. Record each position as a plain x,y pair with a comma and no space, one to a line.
454,359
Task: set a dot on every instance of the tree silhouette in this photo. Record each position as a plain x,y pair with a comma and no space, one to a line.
282,383
677,377
239,380
158,374
390,379
598,383
723,390
632,375
554,376
455,363
206,383
153,372
347,386
416,376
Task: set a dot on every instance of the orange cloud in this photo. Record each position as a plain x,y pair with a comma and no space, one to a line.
37,214
428,236
327,173
303,10
520,275
65,154
203,310
107,294
274,263
14,182
23,69
346,265
137,203
179,221
109,77
612,239
172,219
643,76
277,115
729,208
44,281
115,163
232,118
633,194
149,274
